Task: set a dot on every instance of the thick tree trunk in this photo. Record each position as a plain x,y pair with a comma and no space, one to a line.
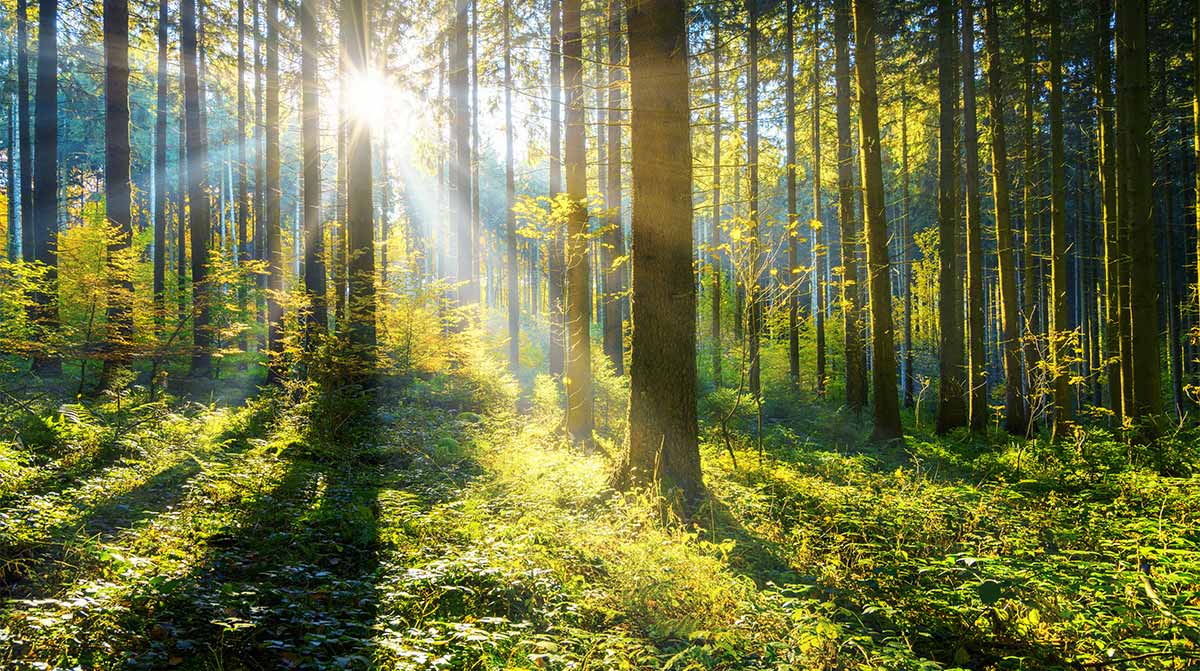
663,448
1015,421
614,239
181,191
28,225
460,174
976,361
856,355
952,408
579,357
905,245
274,245
198,206
314,230
555,262
1032,265
753,271
816,225
1134,203
117,187
883,370
1060,330
510,224
360,230
45,177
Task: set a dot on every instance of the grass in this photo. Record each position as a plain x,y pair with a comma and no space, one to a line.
448,531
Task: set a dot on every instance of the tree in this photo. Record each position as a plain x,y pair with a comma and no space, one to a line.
116,181
243,201
555,262
45,175
905,245
856,355
510,223
28,225
614,237
314,231
754,277
976,362
360,234
1015,421
274,246
662,371
460,174
793,223
1134,208
1032,264
160,170
1060,331
1108,202
818,245
578,302
952,407
879,271
715,231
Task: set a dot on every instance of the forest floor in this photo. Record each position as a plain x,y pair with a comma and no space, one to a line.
450,532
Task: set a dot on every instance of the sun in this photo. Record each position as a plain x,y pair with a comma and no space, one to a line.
368,98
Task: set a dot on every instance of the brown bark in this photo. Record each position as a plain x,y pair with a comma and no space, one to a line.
952,408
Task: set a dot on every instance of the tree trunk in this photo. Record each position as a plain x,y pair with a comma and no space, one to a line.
28,225
181,188
198,206
905,245
243,201
1134,167
952,408
1108,200
793,223
883,372
715,233
476,219
579,358
160,173
816,226
856,370
753,271
274,244
1060,330
460,212
614,289
1032,264
314,231
555,262
1015,421
360,230
117,187
663,447
510,224
977,364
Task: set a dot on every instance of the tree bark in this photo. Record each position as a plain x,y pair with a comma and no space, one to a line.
1108,203
272,222
117,187
905,246
28,225
753,274
1060,330
976,357
883,372
663,448
579,358
510,224
715,233
793,219
856,355
314,230
460,174
360,233
1032,264
243,198
816,225
952,408
614,238
198,206
1015,421
555,261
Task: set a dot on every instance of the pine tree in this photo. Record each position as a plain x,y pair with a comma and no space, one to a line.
952,406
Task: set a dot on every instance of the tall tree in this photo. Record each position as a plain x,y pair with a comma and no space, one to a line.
45,174
1014,404
198,205
856,355
1060,331
510,222
117,188
1134,205
614,237
816,226
314,231
952,406
905,246
274,244
976,361
243,198
793,223
662,409
715,231
460,130
25,190
360,233
879,271
1032,265
1108,201
753,277
160,170
579,358
555,262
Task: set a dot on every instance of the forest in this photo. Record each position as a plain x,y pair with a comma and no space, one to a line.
600,334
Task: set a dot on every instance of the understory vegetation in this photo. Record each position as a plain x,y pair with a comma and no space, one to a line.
445,529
